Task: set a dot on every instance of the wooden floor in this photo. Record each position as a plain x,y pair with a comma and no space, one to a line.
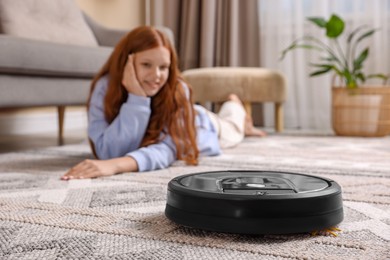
14,143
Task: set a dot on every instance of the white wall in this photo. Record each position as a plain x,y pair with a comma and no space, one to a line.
121,14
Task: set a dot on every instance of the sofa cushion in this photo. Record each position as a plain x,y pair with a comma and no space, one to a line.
26,91
58,21
36,58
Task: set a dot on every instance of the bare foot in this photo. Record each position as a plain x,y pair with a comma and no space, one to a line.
249,128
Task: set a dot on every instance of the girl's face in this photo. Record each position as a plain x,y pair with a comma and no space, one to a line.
152,69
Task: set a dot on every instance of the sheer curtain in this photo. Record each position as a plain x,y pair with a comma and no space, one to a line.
308,105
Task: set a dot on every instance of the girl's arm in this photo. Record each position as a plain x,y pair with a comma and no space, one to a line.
99,168
125,132
155,156
152,157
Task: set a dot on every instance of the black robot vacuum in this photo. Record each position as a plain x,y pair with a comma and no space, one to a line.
254,202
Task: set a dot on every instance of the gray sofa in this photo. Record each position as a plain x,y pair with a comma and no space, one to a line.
38,73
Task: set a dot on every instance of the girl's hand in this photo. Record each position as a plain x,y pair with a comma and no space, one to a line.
90,169
129,80
97,168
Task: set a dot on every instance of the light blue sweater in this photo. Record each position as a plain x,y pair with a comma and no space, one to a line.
123,136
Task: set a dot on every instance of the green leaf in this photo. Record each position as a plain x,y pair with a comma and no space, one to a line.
379,75
331,58
347,75
322,65
319,72
319,21
361,77
366,34
384,77
358,62
354,32
295,45
334,27
308,46
338,72
289,48
350,79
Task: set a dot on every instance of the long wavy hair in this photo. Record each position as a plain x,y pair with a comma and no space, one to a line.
172,111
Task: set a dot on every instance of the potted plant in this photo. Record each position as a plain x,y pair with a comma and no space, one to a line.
357,109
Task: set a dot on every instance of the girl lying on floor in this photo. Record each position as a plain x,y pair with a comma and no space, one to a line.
141,117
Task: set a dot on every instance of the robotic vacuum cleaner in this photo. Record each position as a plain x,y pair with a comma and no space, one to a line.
254,202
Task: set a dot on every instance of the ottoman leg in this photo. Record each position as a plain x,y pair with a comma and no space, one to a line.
248,107
279,117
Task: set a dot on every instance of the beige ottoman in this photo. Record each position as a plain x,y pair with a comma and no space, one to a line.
252,85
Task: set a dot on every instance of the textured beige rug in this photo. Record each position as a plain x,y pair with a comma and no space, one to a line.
122,217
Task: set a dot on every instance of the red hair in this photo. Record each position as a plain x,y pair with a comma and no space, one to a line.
172,111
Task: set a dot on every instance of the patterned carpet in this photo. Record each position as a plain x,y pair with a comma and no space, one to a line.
122,217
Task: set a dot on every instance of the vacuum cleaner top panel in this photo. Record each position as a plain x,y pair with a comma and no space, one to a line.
247,183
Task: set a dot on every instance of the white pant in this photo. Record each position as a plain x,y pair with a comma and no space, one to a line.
229,123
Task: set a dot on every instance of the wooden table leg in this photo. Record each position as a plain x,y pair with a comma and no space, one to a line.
279,117
248,107
61,117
